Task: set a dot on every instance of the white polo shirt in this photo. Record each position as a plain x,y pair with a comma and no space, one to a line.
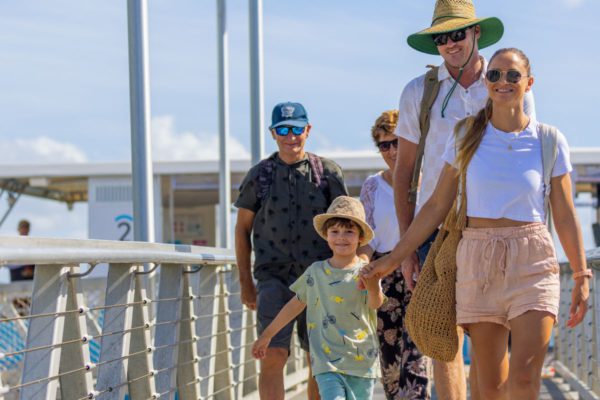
462,103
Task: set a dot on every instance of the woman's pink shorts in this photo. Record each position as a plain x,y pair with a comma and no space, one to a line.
505,272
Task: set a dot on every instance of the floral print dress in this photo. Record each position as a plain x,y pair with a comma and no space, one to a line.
405,371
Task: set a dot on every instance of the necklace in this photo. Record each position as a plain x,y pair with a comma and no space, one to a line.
513,136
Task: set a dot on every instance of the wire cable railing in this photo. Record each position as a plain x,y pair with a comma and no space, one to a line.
174,330
578,349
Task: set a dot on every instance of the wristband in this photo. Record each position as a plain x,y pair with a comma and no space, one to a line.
586,273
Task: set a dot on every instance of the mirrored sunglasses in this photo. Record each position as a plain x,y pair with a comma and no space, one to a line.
385,146
285,130
456,36
512,75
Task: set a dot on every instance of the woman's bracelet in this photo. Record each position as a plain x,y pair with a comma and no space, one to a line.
586,273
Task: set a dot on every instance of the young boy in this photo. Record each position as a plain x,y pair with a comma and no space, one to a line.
341,319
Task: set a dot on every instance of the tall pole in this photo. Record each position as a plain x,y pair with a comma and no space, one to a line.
224,168
257,143
139,93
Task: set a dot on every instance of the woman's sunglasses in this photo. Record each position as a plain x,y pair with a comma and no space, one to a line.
385,146
456,36
285,130
512,75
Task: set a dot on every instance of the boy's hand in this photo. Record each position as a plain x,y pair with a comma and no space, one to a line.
259,349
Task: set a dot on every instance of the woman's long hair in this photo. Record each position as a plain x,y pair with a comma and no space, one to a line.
474,126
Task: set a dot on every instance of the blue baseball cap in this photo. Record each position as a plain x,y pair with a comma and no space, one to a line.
289,114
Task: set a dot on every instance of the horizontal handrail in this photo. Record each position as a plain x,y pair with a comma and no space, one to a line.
23,250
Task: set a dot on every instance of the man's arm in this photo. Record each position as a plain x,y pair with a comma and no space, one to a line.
405,211
243,251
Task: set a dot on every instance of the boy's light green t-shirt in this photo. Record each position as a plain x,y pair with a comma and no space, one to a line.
342,329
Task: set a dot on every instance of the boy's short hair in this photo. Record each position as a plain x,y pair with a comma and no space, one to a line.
344,223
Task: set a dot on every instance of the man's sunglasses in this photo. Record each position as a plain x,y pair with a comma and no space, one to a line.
512,75
285,130
456,36
385,146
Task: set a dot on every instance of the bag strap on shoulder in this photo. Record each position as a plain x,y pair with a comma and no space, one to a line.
549,140
430,92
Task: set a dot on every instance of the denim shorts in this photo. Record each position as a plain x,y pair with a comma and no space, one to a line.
335,386
423,249
272,295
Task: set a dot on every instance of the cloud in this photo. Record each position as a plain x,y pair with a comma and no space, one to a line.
169,145
40,150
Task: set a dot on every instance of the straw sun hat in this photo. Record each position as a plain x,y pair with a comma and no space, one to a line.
349,208
451,15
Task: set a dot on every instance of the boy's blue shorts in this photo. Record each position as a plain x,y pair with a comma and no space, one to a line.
335,386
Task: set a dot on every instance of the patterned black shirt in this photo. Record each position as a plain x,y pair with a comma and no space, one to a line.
284,240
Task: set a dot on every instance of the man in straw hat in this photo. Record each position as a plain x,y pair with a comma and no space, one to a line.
430,106
278,199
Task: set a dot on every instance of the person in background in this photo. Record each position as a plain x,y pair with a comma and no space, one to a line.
22,272
405,371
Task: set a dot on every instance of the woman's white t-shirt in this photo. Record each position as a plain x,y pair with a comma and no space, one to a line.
505,177
377,197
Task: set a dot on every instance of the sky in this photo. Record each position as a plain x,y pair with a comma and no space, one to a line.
65,94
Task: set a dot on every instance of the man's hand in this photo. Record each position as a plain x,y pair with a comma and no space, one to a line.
259,349
378,268
410,271
248,294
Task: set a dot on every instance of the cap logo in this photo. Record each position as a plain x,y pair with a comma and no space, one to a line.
287,111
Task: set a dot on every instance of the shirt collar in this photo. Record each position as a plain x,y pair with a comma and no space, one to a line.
443,72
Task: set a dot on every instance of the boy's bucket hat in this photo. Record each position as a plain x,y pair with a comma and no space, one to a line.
451,15
289,114
349,208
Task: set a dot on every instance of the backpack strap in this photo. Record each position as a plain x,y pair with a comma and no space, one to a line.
430,92
266,168
266,171
549,139
318,172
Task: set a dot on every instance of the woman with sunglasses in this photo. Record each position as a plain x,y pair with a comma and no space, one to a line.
507,273
404,369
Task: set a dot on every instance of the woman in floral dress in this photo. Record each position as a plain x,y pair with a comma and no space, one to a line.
404,368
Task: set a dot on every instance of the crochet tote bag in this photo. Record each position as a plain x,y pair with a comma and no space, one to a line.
431,313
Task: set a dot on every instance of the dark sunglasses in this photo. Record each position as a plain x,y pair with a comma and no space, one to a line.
285,130
512,75
385,146
456,36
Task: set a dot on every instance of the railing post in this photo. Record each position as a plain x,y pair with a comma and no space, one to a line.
140,369
242,319
75,355
208,288
166,332
224,366
187,375
114,349
595,300
49,297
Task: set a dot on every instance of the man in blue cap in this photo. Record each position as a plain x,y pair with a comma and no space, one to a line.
277,202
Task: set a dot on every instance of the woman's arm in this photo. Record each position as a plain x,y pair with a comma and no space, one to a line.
427,220
569,233
287,313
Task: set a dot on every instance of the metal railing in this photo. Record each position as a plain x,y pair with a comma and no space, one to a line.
578,350
160,321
